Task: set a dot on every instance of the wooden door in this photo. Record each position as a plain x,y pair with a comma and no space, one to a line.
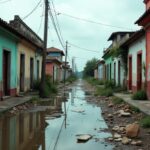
115,73
130,73
118,72
6,73
139,71
22,72
31,72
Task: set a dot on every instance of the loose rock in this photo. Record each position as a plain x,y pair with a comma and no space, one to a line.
132,130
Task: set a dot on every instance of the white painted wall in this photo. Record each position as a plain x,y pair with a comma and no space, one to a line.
100,71
134,48
122,71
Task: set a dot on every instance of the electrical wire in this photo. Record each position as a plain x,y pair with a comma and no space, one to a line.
83,48
5,1
58,25
33,10
91,21
41,21
55,27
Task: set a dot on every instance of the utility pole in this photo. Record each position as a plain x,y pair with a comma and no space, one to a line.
66,53
43,82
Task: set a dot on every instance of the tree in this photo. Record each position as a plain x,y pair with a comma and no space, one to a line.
89,68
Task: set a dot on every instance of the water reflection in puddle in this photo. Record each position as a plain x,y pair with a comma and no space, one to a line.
61,133
57,127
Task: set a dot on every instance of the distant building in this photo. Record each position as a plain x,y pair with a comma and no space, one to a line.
54,63
114,67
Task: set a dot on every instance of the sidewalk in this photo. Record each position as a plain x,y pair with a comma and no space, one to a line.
144,106
11,102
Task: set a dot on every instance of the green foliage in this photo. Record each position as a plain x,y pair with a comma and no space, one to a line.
145,122
94,81
109,84
140,95
115,51
50,88
89,68
36,84
117,100
104,92
72,78
34,99
135,109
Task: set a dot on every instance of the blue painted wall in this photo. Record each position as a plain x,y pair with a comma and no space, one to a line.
9,42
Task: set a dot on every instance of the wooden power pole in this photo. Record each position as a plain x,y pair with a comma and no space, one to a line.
43,83
66,53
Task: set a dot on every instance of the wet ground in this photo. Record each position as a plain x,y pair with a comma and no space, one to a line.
57,127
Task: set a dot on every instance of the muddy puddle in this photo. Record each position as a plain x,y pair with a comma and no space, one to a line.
58,127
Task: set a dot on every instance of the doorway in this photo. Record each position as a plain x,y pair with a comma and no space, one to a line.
22,72
6,73
119,72
31,72
130,73
115,73
139,71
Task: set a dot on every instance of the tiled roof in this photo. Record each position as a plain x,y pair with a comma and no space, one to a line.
12,30
53,49
119,32
147,12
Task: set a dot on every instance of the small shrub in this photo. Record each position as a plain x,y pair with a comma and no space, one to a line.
107,92
117,100
109,84
34,99
135,109
140,95
145,122
36,84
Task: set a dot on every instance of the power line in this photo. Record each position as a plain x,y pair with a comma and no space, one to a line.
83,48
41,21
91,21
55,27
5,1
59,29
32,10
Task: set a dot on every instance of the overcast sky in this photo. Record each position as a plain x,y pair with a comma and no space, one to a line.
119,13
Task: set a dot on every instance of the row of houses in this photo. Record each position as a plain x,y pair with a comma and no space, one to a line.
127,60
21,51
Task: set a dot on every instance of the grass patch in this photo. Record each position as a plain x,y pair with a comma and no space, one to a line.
139,95
117,100
109,84
104,92
135,109
34,99
72,79
145,122
94,81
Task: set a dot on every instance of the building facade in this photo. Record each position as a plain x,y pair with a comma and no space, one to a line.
29,56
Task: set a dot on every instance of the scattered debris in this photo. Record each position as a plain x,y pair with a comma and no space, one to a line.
125,140
82,138
79,110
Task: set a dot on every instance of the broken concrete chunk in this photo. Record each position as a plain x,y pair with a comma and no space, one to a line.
82,138
125,140
78,110
124,114
116,136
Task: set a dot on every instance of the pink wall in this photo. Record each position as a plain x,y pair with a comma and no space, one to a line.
49,69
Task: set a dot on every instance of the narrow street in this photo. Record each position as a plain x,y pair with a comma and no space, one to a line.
58,127
81,118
